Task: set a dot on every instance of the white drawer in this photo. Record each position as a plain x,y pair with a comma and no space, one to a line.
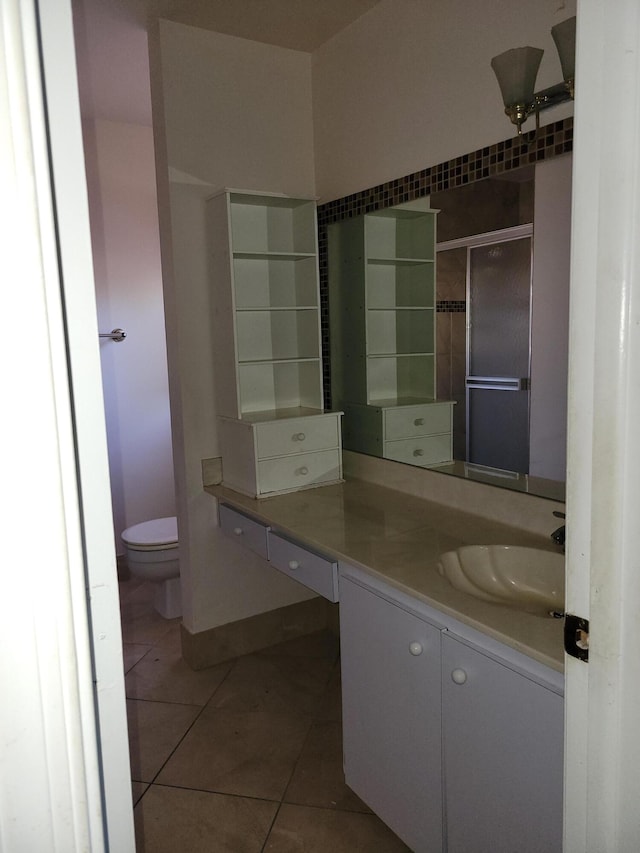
407,421
250,533
423,450
313,570
297,435
298,472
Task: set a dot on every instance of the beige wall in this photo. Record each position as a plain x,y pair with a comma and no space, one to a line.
409,85
126,255
232,113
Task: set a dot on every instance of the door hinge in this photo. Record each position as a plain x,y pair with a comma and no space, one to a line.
576,637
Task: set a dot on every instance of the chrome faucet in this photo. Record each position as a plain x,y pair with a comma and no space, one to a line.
558,535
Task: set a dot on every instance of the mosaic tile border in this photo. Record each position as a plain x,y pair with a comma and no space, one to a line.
552,141
451,306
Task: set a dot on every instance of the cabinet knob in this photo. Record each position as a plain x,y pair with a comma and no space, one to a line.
303,470
293,565
238,531
299,436
458,676
418,452
419,422
415,648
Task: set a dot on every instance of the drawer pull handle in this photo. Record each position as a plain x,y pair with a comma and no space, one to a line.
238,531
415,648
303,470
299,436
458,676
418,452
419,422
293,565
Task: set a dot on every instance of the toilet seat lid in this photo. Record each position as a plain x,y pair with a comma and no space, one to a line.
158,531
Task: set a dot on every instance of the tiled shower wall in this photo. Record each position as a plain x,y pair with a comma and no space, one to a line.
553,140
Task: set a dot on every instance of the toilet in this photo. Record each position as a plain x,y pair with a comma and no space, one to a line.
152,554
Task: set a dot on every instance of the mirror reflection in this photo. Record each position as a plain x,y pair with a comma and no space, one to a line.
449,329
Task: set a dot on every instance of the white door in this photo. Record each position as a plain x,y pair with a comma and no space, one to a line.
65,782
602,741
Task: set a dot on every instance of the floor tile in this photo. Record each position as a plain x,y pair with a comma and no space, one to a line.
270,683
300,829
320,644
330,705
137,790
132,653
247,753
155,729
171,640
141,624
318,779
173,820
135,591
163,676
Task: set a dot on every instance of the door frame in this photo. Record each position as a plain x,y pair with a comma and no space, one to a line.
66,779
473,241
602,743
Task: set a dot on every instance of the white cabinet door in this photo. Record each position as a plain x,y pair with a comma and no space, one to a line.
391,714
503,756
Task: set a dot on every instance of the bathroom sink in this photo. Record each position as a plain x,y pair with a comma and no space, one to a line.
528,579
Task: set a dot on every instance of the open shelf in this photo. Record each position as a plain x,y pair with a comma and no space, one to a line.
397,377
408,235
271,386
274,282
272,224
277,335
390,285
391,332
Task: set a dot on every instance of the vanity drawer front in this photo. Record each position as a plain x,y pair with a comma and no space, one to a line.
298,435
424,450
313,570
299,471
250,533
407,421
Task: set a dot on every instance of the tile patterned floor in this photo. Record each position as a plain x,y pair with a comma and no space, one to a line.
243,757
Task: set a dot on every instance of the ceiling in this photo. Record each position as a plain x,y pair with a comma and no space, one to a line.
296,24
111,43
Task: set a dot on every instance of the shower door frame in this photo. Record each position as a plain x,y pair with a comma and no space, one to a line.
488,238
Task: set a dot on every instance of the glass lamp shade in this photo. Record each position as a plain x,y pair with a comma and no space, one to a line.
564,35
516,71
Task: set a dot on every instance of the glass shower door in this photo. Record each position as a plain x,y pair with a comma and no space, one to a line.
499,354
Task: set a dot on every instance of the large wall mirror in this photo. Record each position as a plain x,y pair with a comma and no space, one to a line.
486,322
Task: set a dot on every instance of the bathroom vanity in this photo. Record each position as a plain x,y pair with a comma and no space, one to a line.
452,706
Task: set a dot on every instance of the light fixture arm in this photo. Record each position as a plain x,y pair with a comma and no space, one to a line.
516,70
543,100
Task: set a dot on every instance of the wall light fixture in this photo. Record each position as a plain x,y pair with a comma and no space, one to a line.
517,69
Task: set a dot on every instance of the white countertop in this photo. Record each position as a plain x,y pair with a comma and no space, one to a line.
399,538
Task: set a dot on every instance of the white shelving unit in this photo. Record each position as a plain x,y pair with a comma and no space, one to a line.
264,267
382,302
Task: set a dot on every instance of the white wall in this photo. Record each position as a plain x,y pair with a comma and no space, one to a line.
409,85
550,319
236,113
128,277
